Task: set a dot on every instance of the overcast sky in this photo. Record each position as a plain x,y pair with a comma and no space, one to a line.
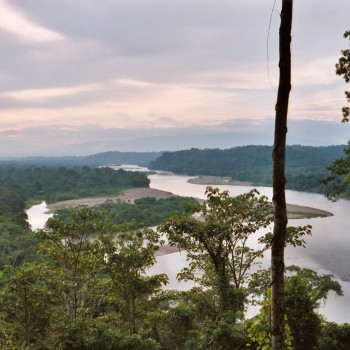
85,76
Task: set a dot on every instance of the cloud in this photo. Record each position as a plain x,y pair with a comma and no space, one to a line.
135,66
41,95
18,24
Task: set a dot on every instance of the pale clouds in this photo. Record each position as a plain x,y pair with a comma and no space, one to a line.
16,23
42,95
159,65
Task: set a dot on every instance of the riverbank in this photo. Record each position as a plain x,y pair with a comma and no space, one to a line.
217,180
325,252
294,211
128,196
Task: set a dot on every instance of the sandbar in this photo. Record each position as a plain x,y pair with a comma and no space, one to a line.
130,195
294,211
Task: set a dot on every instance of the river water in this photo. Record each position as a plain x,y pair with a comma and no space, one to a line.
326,250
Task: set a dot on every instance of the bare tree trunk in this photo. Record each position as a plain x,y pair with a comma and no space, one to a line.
279,198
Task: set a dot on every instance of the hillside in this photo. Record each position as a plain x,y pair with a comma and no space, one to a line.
305,165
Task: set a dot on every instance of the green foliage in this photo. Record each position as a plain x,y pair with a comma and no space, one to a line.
224,334
305,166
217,242
259,331
305,291
193,320
126,257
338,179
7,338
61,183
21,184
342,68
89,289
334,336
99,294
28,300
74,260
149,211
17,244
216,239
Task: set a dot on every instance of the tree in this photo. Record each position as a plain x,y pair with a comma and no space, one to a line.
28,300
338,180
305,291
216,236
98,272
279,181
335,336
217,242
126,256
342,68
74,257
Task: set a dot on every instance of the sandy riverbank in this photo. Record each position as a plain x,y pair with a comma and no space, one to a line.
128,196
294,211
216,180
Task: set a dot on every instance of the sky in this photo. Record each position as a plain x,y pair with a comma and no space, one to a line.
85,76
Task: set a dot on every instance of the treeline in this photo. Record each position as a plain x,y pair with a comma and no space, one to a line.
52,183
23,185
149,211
83,283
305,165
88,285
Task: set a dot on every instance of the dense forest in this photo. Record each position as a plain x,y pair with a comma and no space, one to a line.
82,283
306,166
22,185
149,211
52,184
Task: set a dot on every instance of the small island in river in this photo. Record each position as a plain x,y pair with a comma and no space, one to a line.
294,211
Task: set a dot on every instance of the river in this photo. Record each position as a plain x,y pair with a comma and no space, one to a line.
326,251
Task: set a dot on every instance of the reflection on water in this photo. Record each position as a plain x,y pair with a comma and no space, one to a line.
37,215
326,251
128,167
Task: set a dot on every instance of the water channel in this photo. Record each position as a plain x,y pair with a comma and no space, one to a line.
326,250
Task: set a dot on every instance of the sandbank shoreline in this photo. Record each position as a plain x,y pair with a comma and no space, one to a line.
294,211
130,195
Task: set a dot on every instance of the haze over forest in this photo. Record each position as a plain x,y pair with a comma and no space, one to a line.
79,78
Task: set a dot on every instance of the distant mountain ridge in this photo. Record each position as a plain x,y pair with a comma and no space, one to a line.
105,158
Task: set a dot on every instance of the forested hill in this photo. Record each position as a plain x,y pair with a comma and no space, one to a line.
117,158
98,159
305,165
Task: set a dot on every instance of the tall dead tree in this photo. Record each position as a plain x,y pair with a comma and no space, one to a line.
279,198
